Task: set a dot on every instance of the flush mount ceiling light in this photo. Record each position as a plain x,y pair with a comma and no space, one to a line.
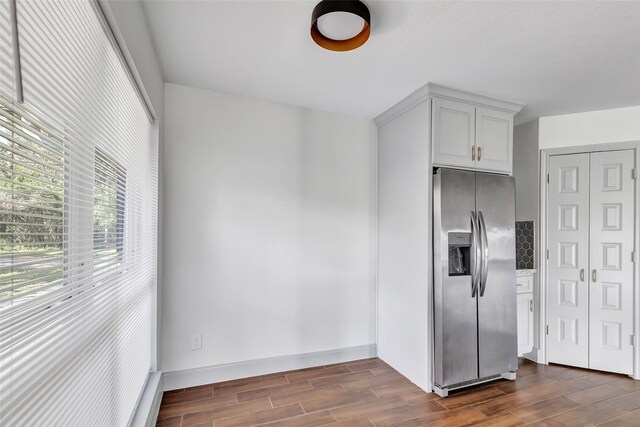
340,25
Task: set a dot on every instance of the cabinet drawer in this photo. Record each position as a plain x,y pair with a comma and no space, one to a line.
524,284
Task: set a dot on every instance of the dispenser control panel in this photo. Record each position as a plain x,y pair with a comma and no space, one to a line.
459,254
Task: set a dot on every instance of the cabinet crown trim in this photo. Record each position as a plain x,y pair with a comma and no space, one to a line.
432,90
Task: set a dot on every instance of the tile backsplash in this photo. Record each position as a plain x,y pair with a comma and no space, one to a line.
525,238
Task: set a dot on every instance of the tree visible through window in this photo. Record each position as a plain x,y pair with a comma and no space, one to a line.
32,185
108,211
35,244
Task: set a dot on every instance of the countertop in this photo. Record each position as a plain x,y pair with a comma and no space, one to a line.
525,272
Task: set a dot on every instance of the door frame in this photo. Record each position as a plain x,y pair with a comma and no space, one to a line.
542,264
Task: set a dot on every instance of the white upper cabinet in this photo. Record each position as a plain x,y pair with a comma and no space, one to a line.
453,129
494,140
467,130
471,137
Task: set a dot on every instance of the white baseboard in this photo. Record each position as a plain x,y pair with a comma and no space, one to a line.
535,356
149,404
230,371
532,355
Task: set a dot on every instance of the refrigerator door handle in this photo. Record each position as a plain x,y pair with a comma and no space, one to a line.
484,253
475,257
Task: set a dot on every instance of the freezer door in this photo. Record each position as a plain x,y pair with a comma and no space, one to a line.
497,323
455,311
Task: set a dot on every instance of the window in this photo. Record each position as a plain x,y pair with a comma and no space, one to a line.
78,222
108,210
32,188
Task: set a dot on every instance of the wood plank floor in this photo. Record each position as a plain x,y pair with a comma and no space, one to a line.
370,393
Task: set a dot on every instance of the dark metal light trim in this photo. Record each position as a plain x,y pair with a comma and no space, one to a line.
355,7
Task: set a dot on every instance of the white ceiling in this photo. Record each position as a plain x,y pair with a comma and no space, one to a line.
556,57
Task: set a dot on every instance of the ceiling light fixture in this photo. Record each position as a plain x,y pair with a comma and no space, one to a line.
340,25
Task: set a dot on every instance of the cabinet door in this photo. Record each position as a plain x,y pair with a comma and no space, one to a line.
525,323
453,133
494,140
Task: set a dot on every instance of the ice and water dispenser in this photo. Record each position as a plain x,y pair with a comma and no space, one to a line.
459,254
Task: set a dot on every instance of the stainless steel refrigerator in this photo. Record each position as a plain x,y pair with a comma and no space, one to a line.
474,283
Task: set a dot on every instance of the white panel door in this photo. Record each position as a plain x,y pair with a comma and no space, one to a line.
453,134
568,264
494,140
611,279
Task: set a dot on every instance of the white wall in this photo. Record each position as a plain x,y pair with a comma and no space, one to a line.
270,229
594,127
404,213
526,171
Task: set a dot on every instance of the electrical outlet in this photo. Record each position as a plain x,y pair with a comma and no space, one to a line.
196,342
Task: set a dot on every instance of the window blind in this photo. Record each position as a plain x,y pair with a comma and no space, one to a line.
6,50
78,202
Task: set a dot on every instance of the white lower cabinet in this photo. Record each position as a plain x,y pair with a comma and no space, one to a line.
525,323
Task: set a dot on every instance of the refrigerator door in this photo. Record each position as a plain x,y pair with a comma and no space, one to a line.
497,339
455,307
